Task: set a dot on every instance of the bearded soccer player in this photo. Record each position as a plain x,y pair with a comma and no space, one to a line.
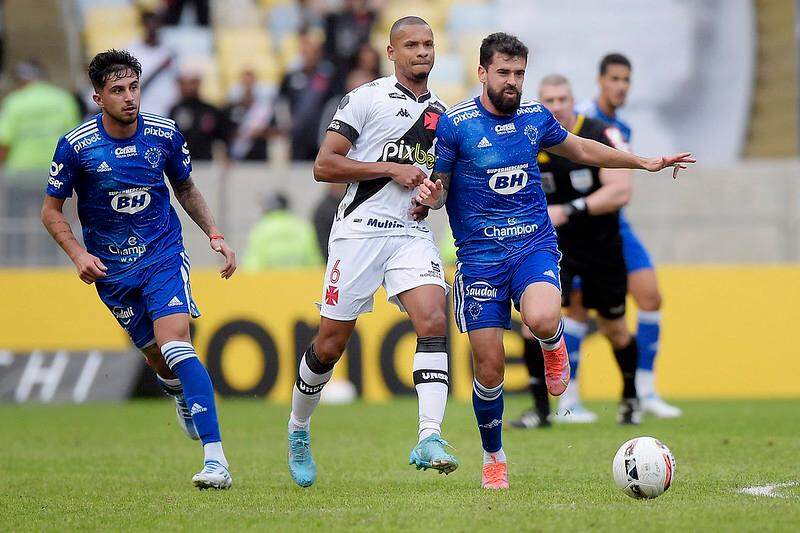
380,144
115,163
614,81
487,175
584,203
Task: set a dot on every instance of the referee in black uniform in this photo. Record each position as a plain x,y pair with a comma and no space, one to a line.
584,203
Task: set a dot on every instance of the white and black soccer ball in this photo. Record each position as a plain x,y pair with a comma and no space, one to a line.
643,468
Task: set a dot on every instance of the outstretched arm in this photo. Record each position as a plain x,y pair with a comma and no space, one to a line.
192,201
593,153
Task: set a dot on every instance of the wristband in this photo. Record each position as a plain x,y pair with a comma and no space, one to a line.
216,236
576,208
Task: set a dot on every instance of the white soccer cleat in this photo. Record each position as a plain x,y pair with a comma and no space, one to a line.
574,414
657,407
214,475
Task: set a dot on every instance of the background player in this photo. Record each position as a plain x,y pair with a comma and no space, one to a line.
507,251
584,203
378,143
614,82
115,162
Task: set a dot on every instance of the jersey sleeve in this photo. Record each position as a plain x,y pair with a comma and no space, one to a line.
446,145
351,114
554,133
179,164
63,171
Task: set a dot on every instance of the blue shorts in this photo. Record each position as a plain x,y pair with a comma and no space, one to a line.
636,256
147,294
483,293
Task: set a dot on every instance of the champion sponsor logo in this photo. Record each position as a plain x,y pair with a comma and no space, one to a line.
431,120
512,230
378,223
493,424
159,132
86,141
125,151
403,113
505,129
197,409
104,167
174,302
130,253
485,143
130,202
332,295
481,291
123,314
467,115
405,153
509,182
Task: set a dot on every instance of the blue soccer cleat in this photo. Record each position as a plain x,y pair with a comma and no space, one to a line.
430,453
301,464
214,475
185,417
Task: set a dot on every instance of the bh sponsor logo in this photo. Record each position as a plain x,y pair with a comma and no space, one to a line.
461,117
406,153
130,202
508,182
86,142
123,314
512,230
125,151
158,132
481,291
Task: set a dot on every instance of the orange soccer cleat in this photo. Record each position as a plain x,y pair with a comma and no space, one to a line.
556,368
495,474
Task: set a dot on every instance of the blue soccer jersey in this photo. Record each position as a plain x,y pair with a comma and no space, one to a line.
123,200
592,110
495,202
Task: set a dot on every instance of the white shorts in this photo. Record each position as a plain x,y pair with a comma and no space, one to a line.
357,267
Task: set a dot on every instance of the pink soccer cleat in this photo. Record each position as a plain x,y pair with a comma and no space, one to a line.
495,474
556,368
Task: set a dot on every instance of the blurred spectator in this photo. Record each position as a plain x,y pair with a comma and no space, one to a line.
368,59
305,91
201,123
281,239
250,115
295,17
174,10
159,68
345,31
324,212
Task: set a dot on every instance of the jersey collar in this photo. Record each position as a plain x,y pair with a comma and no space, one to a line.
408,92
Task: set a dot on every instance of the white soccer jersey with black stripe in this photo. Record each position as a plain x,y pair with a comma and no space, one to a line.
384,121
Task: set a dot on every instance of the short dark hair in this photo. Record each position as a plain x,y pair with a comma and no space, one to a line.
502,43
410,20
613,59
112,63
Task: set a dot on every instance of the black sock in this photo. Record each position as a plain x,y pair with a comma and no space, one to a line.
627,359
535,363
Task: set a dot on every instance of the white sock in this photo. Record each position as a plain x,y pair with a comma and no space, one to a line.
553,342
311,377
213,451
431,380
645,383
499,457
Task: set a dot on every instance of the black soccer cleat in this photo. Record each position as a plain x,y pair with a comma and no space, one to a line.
629,413
531,419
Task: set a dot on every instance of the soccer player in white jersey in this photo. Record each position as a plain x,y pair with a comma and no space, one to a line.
380,142
486,152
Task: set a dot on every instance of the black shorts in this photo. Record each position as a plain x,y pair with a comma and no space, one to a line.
603,276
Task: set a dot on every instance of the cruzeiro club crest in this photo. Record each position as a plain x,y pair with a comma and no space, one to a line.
532,133
153,156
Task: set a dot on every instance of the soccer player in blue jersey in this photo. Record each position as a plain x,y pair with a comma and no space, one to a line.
486,172
614,82
115,163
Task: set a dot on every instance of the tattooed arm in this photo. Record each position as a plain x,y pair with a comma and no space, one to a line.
192,201
433,191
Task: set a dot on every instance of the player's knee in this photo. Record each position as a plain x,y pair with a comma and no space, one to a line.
433,325
543,322
649,300
618,338
329,349
489,373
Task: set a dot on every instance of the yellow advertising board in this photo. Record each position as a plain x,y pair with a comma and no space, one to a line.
727,332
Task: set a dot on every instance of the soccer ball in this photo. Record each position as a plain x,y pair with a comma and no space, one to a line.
643,468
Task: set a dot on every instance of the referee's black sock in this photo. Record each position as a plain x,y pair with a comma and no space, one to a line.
627,359
535,363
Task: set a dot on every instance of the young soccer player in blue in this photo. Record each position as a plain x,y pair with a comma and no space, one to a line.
115,163
486,172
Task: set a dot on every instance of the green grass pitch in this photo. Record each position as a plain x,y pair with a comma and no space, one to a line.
128,467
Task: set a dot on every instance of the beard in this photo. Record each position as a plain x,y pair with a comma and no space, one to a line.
503,103
124,119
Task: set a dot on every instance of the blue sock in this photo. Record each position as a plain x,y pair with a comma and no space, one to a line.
197,388
488,406
647,337
574,332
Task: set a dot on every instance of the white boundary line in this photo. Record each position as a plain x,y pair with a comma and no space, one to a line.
768,490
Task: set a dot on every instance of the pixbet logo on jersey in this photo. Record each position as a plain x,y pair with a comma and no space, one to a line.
508,182
158,132
458,119
402,152
86,142
131,201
